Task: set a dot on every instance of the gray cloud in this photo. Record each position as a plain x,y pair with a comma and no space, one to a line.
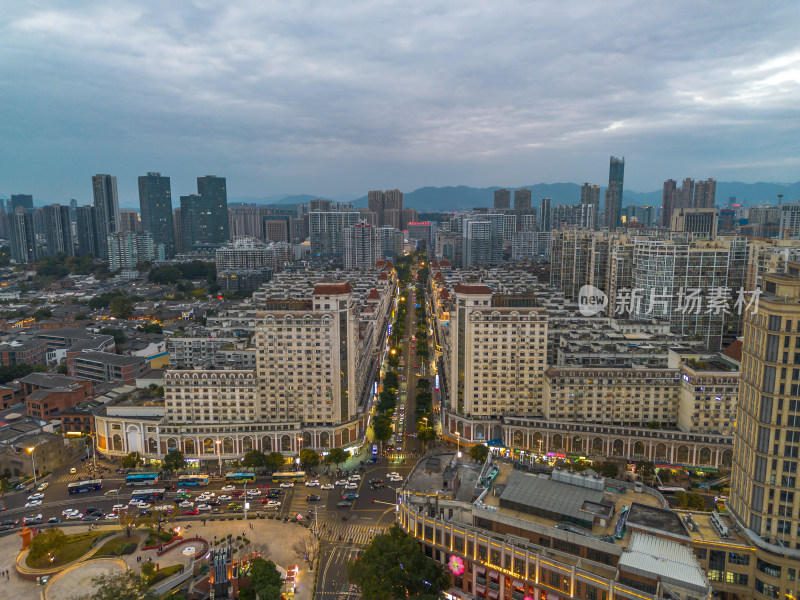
336,98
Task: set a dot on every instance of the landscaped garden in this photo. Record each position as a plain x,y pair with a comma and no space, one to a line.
53,548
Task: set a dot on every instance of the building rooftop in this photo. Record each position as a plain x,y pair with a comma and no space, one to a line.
109,358
50,380
670,561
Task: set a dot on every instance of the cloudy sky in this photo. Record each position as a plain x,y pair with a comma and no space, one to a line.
336,98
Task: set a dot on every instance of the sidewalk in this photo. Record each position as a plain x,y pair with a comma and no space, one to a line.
276,536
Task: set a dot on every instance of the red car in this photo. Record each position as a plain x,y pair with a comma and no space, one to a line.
237,493
191,512
265,500
416,366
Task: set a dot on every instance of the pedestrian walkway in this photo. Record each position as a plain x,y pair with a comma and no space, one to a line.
357,533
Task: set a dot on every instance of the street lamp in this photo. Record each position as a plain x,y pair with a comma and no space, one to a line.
219,455
33,463
458,443
299,448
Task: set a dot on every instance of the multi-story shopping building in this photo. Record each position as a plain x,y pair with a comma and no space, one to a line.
504,534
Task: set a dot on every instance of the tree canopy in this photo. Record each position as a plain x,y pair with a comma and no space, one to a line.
479,453
121,307
337,456
274,461
394,566
131,460
174,460
265,579
49,542
382,428
309,458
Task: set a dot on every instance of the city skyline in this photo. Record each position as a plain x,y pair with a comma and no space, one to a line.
337,102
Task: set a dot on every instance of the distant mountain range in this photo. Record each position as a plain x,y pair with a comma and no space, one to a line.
460,198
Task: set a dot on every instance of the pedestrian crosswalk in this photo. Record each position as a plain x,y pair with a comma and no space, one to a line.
356,533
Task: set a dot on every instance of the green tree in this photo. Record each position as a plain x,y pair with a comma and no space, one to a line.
42,313
391,380
382,428
426,435
337,456
609,470
479,453
121,307
424,385
386,401
122,586
131,460
265,579
309,458
393,360
274,461
647,471
47,544
117,334
174,460
148,569
62,369
151,328
253,459
394,566
164,275
11,372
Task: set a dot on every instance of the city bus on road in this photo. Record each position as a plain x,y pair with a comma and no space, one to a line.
192,480
154,495
142,479
291,476
240,477
78,487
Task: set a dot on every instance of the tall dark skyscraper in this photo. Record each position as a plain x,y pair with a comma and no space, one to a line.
20,201
58,230
522,200
613,204
668,196
106,211
214,191
22,237
502,198
86,227
155,204
545,214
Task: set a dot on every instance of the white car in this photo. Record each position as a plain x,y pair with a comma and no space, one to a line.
327,486
341,482
351,486
253,492
229,488
224,498
287,484
142,504
36,497
272,504
396,479
355,477
42,486
33,503
74,516
111,516
393,474
68,511
186,504
314,483
203,507
117,507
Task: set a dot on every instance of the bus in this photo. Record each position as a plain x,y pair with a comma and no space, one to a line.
240,477
293,476
667,490
142,479
155,495
78,487
192,480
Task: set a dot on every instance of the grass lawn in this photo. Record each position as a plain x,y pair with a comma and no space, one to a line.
117,546
163,574
77,545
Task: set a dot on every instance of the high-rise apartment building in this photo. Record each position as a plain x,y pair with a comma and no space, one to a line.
502,199
498,351
86,228
695,220
58,230
590,195
362,247
545,223
522,200
106,211
24,201
391,242
248,263
613,202
689,195
326,230
422,232
705,194
483,238
764,496
388,206
129,221
214,191
155,204
22,237
127,249
668,194
574,215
